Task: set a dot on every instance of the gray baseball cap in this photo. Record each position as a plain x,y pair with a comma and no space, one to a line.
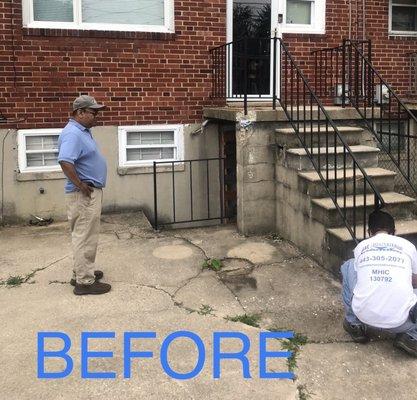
85,101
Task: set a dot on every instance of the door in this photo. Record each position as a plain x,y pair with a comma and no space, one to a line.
251,24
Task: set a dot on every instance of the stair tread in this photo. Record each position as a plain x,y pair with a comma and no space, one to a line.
339,150
389,198
402,227
313,176
342,129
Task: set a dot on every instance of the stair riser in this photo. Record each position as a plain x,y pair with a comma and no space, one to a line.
344,249
303,163
316,189
332,219
292,141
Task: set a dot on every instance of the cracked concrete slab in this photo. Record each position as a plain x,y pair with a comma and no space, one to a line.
158,284
46,244
209,290
279,290
220,242
123,309
365,372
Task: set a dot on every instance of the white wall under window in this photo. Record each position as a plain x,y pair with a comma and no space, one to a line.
126,15
38,150
141,145
403,17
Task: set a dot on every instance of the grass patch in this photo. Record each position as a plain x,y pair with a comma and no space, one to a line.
213,263
294,344
205,309
248,319
14,281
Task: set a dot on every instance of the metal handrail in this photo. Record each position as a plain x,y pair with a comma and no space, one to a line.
337,137
360,83
292,98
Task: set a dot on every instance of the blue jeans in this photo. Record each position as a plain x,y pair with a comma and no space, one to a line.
349,282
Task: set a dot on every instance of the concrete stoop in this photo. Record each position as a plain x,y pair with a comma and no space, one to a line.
306,215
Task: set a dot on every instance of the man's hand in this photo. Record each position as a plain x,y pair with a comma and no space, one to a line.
85,189
71,174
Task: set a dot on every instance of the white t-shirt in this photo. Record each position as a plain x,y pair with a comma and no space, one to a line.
383,295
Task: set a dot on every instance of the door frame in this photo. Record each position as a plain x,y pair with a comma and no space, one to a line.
277,7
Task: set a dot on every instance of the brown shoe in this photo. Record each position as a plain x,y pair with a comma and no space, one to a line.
95,288
97,274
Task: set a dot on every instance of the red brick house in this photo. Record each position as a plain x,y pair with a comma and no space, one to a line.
149,61
158,70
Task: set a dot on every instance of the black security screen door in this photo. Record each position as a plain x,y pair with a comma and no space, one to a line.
251,20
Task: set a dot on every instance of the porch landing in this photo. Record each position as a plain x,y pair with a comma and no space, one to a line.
265,113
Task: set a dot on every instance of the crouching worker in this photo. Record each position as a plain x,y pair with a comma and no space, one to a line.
379,285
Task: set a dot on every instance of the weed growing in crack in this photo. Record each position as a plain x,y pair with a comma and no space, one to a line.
13,281
294,345
213,263
248,319
303,393
205,309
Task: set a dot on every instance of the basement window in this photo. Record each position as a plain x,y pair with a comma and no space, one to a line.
403,17
143,144
305,16
38,150
106,15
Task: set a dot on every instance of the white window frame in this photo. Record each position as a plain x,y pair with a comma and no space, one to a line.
178,143
22,152
318,19
29,22
398,33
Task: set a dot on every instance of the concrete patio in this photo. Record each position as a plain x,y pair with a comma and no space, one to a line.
159,285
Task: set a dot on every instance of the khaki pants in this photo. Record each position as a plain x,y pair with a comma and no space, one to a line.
84,218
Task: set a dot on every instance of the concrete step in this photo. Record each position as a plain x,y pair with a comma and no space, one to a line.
310,183
287,137
341,243
298,159
325,212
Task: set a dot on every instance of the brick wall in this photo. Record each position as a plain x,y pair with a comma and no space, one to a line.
389,53
142,77
148,78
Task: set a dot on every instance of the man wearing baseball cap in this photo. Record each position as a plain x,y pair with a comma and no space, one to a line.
86,172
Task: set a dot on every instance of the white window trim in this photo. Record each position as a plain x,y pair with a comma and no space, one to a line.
318,19
178,143
168,27
398,33
21,146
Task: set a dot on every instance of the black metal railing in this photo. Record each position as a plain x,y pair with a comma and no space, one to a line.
246,69
197,191
384,113
339,169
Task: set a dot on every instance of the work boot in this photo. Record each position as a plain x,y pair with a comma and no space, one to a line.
97,274
406,342
356,332
95,288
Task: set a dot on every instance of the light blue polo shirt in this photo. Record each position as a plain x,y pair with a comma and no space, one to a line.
77,146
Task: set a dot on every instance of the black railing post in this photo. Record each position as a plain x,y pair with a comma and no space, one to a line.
155,198
344,73
274,73
245,74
